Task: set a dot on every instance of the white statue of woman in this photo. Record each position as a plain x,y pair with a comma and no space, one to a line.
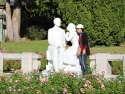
71,61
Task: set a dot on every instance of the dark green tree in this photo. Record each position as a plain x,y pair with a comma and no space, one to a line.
103,19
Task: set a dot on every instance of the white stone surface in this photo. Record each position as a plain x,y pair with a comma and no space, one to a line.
26,65
56,48
71,61
36,65
29,60
124,65
93,65
58,58
110,76
1,62
101,63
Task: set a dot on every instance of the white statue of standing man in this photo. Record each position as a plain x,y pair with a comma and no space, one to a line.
56,48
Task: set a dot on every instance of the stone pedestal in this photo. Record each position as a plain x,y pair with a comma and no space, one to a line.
29,61
49,68
101,63
26,65
124,65
36,64
1,62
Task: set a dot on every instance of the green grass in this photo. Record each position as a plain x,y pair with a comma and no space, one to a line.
114,49
25,46
41,46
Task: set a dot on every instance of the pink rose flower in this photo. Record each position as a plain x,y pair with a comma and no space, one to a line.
27,78
10,80
1,51
64,91
10,89
43,80
7,60
120,52
19,90
103,72
16,81
16,63
102,86
39,53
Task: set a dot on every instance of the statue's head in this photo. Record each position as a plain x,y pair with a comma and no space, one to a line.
57,21
71,27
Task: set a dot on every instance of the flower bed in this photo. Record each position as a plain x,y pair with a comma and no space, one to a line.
59,83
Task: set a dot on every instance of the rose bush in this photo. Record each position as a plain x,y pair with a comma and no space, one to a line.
59,83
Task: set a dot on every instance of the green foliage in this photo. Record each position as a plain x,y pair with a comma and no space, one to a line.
38,7
2,2
6,39
36,33
59,83
11,65
103,20
44,61
99,85
117,67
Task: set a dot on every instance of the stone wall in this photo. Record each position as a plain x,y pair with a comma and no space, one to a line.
100,63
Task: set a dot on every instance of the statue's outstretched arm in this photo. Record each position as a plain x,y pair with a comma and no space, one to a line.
69,36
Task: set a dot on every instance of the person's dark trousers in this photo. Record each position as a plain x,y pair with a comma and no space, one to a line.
82,60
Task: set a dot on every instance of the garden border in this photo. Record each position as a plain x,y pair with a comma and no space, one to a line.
29,60
100,63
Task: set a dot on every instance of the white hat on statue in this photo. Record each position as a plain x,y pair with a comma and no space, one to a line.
80,26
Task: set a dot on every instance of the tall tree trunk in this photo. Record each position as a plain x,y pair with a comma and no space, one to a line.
9,21
16,19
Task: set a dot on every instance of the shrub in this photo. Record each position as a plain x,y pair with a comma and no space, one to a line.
11,65
44,61
117,67
60,83
36,33
2,2
6,39
95,15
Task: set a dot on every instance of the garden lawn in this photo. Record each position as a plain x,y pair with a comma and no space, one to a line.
41,46
25,46
112,49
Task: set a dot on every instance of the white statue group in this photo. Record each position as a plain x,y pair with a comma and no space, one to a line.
60,58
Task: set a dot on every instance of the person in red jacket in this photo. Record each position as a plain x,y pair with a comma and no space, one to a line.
84,45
